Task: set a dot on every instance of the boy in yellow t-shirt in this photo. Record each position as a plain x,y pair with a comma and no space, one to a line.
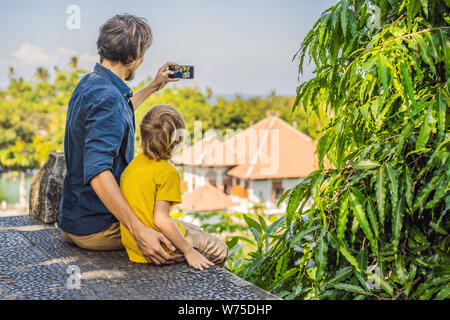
151,186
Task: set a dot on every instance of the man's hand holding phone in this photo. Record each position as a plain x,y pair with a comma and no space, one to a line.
162,77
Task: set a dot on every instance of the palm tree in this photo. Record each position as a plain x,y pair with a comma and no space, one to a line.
209,93
42,74
73,62
11,72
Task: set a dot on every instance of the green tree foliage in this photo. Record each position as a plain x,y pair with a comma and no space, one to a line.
372,222
32,117
32,114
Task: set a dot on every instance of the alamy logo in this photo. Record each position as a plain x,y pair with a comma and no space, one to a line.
374,21
74,19
375,279
74,280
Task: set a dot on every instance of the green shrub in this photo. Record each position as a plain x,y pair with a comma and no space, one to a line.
378,224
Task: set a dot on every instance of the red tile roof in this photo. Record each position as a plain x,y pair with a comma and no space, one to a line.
208,152
269,149
278,150
205,198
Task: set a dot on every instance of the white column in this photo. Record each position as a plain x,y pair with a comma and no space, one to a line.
190,181
219,179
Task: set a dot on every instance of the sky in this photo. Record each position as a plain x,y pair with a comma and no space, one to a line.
236,46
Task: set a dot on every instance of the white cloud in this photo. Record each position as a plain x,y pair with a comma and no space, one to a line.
30,55
65,52
87,61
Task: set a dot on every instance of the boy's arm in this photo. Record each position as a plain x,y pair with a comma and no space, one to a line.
169,192
168,227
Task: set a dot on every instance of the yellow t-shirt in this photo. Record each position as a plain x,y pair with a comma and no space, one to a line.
142,183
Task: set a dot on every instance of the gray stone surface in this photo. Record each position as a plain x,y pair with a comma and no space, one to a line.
35,263
46,189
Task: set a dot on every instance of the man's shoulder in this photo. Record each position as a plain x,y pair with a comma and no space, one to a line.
97,86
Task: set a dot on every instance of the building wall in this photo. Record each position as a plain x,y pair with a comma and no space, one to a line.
289,183
196,176
260,190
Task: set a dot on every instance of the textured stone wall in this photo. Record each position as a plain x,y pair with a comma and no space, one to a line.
46,189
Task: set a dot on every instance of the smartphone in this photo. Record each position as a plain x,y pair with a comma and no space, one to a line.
182,72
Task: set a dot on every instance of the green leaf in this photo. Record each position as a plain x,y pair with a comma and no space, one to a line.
256,235
430,283
293,202
366,164
340,275
342,218
445,45
397,223
344,17
383,283
425,191
252,223
425,130
393,185
418,236
407,82
354,230
423,49
262,223
382,72
321,258
404,135
408,186
362,219
349,287
413,6
424,4
302,234
373,220
400,271
274,226
441,190
381,196
351,259
441,110
443,294
284,196
343,250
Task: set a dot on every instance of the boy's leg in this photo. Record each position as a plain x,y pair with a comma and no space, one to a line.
207,244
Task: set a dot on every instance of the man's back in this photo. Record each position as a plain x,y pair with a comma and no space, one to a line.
99,136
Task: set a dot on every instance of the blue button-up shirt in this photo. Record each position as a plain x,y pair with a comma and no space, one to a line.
99,136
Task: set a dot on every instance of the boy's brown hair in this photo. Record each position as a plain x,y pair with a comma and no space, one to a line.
160,132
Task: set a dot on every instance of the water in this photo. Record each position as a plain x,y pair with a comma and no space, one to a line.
9,188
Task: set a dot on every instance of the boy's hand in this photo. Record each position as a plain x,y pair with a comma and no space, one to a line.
197,260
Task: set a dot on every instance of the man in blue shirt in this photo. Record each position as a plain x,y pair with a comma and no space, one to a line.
99,144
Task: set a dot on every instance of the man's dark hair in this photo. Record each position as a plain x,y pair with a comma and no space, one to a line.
124,38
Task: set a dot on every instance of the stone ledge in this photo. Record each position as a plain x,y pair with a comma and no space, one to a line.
34,262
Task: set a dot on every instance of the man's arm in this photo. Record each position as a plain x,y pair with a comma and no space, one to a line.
161,79
147,239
